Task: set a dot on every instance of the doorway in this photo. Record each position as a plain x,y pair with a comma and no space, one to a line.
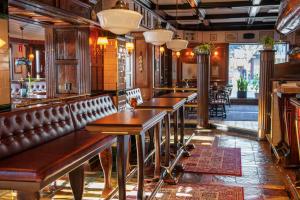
244,65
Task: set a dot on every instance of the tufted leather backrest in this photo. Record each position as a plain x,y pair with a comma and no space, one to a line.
37,86
27,128
91,109
134,93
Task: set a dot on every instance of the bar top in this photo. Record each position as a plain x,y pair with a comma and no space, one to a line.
170,104
188,95
127,122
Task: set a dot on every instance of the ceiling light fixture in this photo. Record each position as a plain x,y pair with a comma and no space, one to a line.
158,36
177,44
119,20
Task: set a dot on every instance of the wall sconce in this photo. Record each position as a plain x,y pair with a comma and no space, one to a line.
216,53
102,41
161,50
178,54
129,47
31,55
2,43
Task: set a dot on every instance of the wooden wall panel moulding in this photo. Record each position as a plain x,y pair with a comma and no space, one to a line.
203,79
84,71
4,60
50,68
267,60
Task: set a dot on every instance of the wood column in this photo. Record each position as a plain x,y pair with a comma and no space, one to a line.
4,58
50,70
203,80
267,60
67,60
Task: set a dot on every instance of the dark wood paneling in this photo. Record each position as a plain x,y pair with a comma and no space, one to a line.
203,80
219,64
84,66
96,56
267,59
67,74
77,7
50,71
69,60
144,66
49,2
65,43
141,66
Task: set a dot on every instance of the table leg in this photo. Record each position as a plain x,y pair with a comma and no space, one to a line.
182,140
157,140
175,124
106,164
140,147
182,125
122,149
167,144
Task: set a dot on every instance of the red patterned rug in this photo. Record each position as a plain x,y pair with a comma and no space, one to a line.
198,192
214,160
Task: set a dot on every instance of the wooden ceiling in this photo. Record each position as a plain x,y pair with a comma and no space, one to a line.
217,14
28,16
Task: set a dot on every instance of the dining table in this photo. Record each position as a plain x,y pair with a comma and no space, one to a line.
124,124
172,106
188,96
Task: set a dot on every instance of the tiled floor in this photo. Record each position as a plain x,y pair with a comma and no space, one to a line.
261,178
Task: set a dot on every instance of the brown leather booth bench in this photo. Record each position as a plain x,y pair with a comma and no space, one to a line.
39,145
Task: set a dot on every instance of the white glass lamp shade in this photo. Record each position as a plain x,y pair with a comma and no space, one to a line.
177,44
119,21
158,36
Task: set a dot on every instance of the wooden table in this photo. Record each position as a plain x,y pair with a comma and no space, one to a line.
124,124
172,106
189,96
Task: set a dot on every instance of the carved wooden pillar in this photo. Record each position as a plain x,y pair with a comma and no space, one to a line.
4,58
203,77
50,70
267,59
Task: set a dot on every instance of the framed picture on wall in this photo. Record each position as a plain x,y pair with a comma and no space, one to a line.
213,37
215,71
17,68
231,36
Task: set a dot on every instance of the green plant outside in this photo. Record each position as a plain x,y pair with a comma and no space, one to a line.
255,83
242,84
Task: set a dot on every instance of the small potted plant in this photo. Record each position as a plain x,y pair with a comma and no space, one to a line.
242,85
255,85
204,48
268,43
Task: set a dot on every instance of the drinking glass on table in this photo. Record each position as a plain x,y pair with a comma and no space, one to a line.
133,103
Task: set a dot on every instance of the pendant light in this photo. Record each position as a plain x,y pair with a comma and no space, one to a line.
158,36
177,44
119,20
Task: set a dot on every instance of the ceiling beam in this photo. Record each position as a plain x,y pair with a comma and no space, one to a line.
228,26
220,5
221,16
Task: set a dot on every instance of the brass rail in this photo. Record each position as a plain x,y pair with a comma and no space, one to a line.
32,102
